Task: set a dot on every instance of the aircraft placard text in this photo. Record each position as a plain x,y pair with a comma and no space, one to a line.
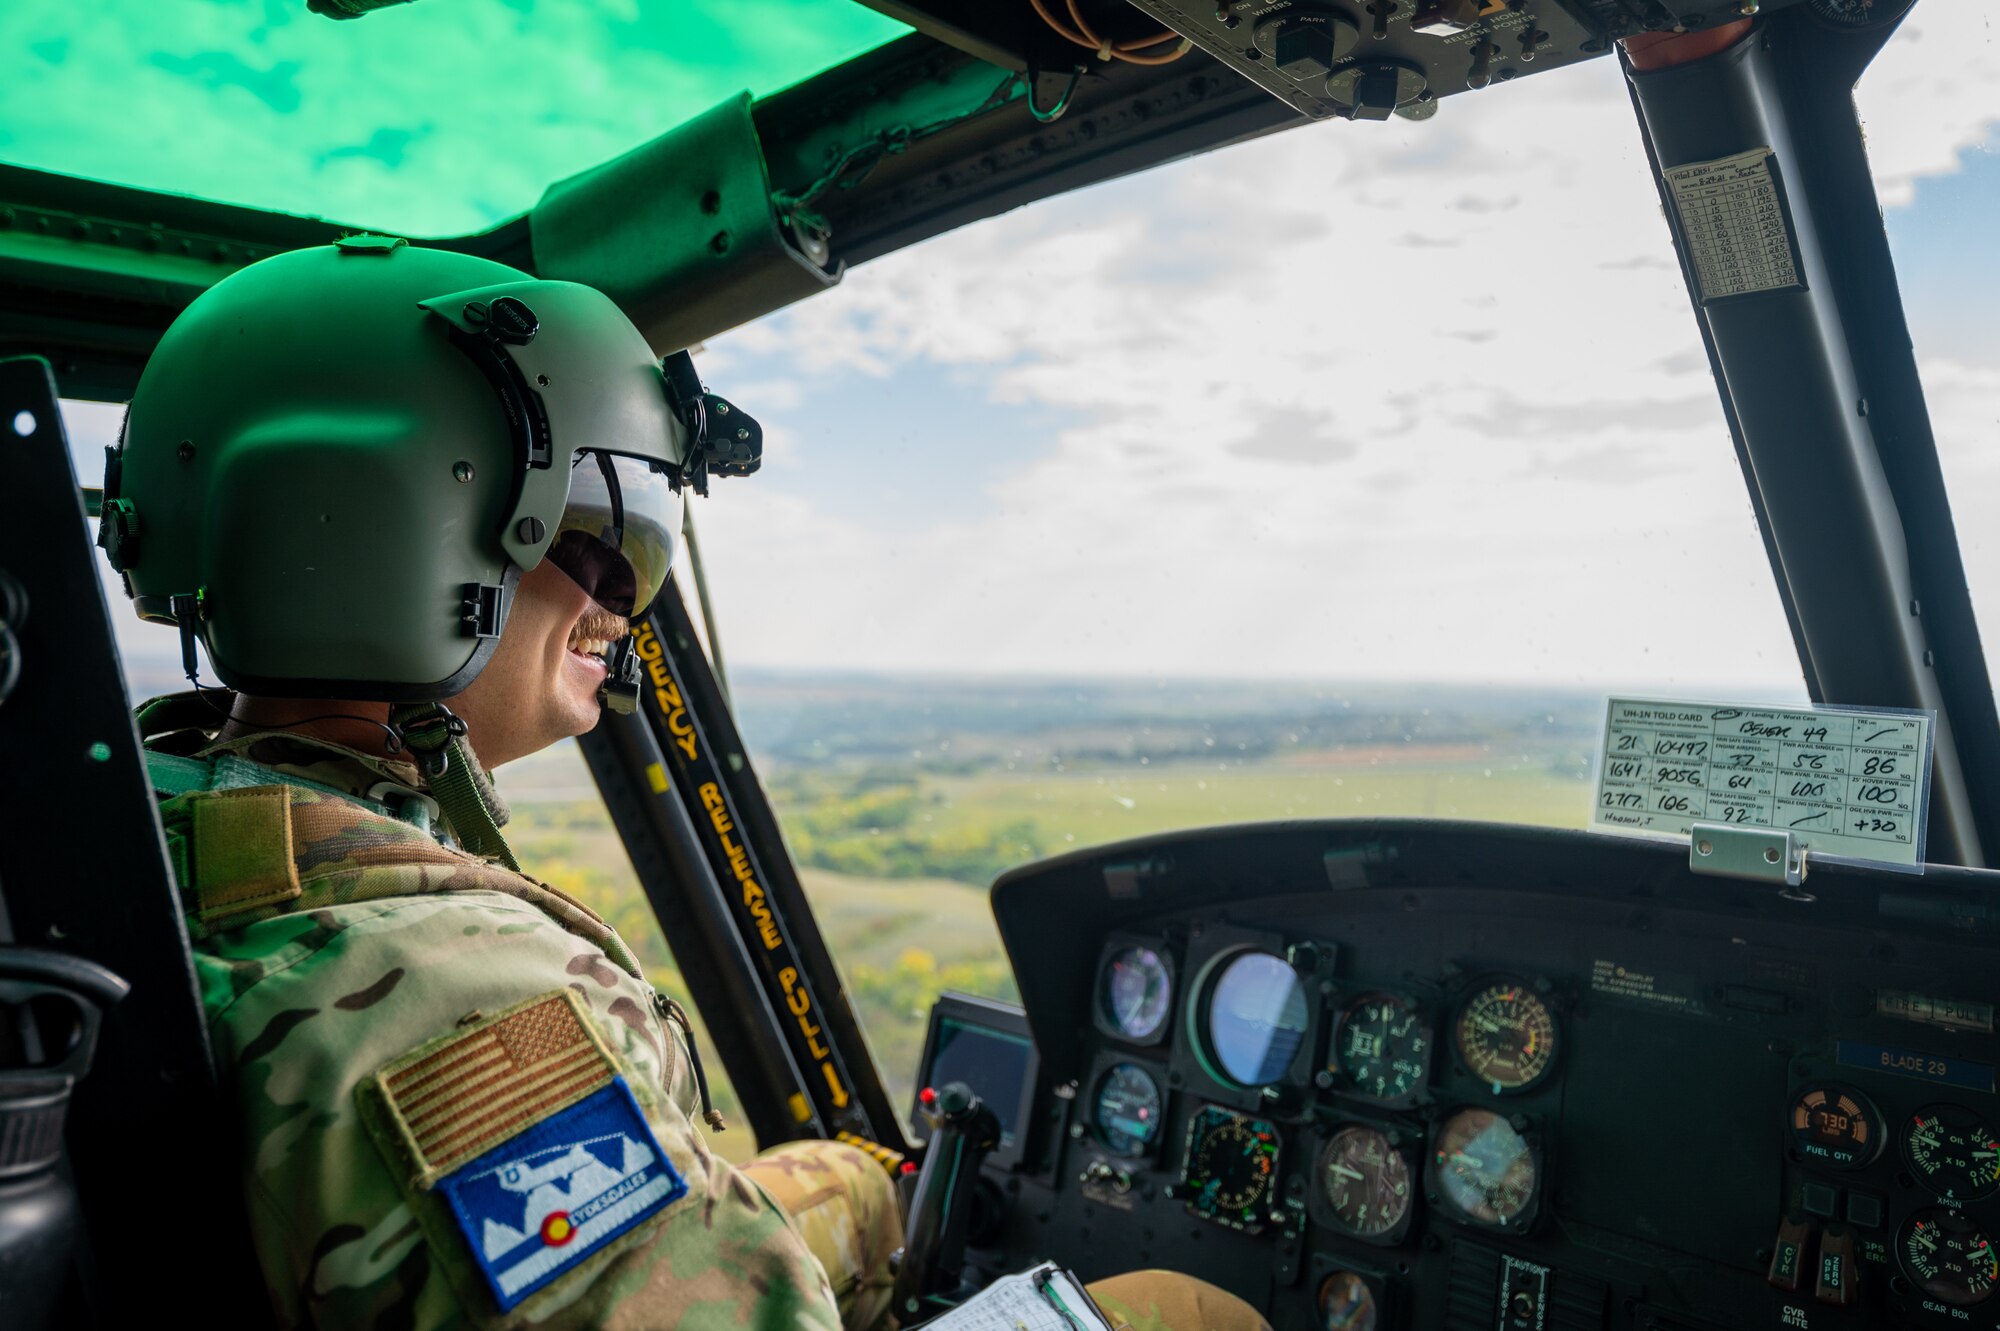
1847,783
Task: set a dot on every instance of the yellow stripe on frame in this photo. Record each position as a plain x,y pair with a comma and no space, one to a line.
657,776
801,1111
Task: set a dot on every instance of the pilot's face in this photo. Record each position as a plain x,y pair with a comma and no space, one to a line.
539,688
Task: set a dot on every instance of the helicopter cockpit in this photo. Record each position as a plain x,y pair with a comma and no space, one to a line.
1437,1060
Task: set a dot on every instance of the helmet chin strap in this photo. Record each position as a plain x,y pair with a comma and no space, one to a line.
435,736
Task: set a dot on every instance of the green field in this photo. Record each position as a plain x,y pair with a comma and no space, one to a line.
901,940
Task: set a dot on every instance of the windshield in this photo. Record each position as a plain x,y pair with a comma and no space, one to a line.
428,119
1339,474
1933,129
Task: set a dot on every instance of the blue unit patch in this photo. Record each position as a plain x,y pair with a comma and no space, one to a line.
537,1205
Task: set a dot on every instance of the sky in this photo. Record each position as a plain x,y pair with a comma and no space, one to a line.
1417,402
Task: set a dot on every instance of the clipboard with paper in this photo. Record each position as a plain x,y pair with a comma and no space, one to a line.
1042,1298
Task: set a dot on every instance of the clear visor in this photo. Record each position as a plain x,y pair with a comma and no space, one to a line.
616,538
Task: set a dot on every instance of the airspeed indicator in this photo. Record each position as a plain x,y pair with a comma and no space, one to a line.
1507,1036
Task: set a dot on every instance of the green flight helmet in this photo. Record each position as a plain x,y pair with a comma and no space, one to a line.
339,461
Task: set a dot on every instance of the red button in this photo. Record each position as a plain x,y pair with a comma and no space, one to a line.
927,1097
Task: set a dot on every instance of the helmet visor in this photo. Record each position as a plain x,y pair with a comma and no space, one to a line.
616,537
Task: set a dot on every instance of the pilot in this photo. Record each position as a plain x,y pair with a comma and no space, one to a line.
407,499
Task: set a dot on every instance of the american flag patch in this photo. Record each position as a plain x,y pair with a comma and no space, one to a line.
453,1100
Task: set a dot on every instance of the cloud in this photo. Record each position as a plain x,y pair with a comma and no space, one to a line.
1292,436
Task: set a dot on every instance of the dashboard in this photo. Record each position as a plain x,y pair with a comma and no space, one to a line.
1412,1074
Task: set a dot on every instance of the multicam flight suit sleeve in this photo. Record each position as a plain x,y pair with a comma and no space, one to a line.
458,1102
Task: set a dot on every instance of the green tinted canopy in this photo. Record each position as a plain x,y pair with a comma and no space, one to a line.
429,119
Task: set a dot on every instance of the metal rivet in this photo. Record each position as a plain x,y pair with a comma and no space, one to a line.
1704,847
24,423
100,752
541,381
711,203
722,408
530,530
1771,855
463,471
719,242
742,432
185,450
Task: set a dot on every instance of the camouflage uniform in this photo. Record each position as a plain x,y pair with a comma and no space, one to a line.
343,954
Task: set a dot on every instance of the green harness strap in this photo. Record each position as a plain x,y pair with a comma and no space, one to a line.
436,738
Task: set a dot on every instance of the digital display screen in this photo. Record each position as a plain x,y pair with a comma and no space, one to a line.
993,1063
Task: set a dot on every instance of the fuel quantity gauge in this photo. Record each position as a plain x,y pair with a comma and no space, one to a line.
1832,1125
1953,1152
1949,1257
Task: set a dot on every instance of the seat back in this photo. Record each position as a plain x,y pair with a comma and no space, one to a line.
84,871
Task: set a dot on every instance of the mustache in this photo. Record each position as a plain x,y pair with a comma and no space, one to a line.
601,624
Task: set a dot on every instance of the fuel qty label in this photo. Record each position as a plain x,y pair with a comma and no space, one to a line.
1847,783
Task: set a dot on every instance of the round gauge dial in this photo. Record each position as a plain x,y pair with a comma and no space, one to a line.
1949,1257
1135,992
1507,1036
1953,1152
1366,1181
1231,1162
1128,1109
1835,1126
1483,1168
1382,1046
1346,1303
1256,1018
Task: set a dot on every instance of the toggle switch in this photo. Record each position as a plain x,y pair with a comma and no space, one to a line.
1788,1254
1836,1267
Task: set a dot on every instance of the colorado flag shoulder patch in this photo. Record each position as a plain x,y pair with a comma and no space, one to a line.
521,1123
549,1198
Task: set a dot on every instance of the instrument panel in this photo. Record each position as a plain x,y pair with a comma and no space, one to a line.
1439,1076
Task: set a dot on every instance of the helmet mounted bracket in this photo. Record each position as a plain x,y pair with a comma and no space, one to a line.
723,440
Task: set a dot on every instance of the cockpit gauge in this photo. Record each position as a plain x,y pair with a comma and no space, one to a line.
1382,1048
1135,993
1128,1110
1506,1035
1255,1019
1949,1257
1230,1167
1365,1184
1346,1303
1832,1125
1483,1171
1952,1152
